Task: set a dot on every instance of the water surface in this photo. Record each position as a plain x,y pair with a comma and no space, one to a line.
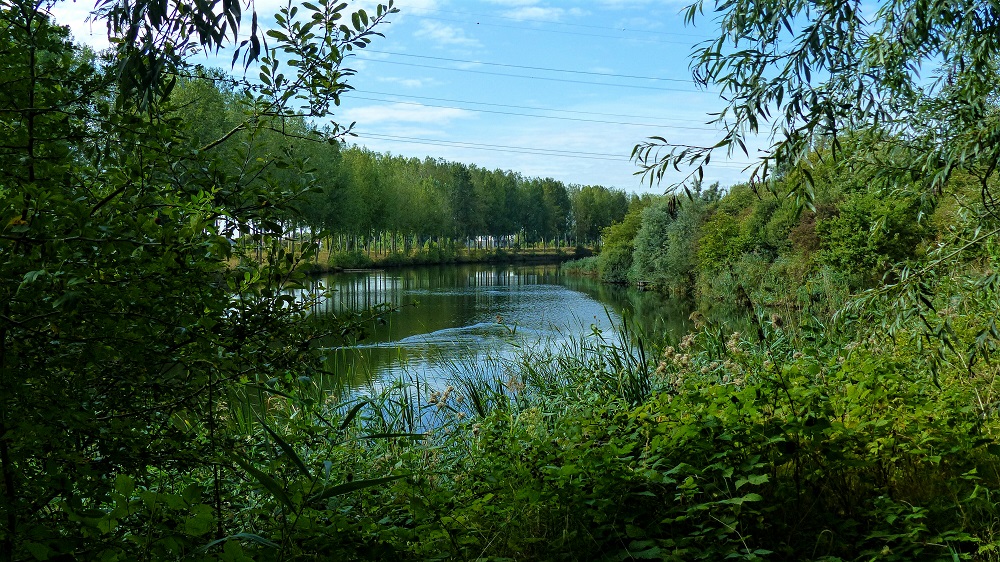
449,317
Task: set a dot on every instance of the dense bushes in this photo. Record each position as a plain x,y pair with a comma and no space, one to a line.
824,443
762,247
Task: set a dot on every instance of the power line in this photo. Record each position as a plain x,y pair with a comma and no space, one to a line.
505,65
533,151
559,23
648,125
367,59
687,43
532,108
505,148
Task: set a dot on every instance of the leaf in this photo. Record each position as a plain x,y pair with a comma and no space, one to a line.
415,436
289,451
241,537
124,485
349,487
352,414
266,481
201,522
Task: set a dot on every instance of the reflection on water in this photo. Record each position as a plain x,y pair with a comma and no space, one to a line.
450,316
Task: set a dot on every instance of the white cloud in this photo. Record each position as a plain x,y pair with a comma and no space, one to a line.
412,83
446,35
540,13
514,3
403,113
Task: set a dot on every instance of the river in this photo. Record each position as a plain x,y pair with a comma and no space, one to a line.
449,318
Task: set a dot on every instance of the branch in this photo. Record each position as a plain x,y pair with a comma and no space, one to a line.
224,137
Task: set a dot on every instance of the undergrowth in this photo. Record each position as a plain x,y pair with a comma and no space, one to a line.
822,442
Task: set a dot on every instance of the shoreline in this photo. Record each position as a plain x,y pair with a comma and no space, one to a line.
363,262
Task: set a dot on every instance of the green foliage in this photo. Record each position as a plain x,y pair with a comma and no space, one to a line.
350,260
365,198
583,266
666,244
145,281
819,76
869,233
800,445
615,260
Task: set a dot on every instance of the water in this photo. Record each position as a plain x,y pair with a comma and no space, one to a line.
451,317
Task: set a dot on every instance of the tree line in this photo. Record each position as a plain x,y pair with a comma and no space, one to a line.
369,201
414,200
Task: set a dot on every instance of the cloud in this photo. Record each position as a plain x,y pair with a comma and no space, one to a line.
403,113
514,2
412,83
541,13
446,35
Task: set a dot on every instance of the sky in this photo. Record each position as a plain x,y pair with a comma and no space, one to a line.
541,87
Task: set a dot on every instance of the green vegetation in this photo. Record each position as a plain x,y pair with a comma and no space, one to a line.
763,249
383,205
163,395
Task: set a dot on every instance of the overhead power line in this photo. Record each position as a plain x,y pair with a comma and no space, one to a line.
532,151
513,113
523,67
555,22
506,148
578,33
532,108
416,65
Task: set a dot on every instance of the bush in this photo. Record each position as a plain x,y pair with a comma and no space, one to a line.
870,233
665,244
355,259
582,266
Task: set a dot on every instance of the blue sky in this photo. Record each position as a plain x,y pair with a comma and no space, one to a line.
545,88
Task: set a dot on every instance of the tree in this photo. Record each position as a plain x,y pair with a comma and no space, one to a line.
131,317
912,85
916,80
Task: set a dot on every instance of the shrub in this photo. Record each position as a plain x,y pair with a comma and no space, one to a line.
355,259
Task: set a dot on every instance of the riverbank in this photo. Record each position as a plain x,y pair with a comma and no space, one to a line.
769,444
340,261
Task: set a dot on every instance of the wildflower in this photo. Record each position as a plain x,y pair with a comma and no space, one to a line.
733,343
476,428
686,341
459,399
661,369
705,370
460,415
797,355
668,352
768,365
